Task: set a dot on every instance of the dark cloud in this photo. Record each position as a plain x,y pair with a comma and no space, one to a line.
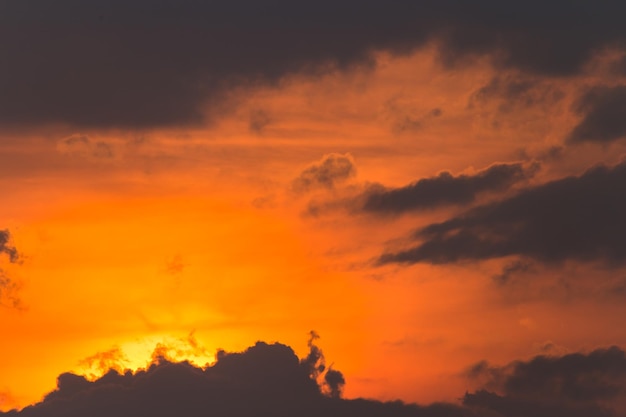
143,64
270,380
579,218
265,380
445,189
604,115
572,385
332,169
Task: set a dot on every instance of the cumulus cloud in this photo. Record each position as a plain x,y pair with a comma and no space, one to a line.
445,189
604,115
145,64
575,384
270,380
574,218
331,170
264,380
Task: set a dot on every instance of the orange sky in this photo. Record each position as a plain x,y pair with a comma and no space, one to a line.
130,238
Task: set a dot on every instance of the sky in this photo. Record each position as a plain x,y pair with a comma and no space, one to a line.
377,208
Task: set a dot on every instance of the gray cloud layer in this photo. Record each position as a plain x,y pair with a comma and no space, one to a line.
142,64
579,218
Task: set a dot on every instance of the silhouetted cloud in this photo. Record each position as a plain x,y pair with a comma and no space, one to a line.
270,380
604,120
143,64
576,384
332,169
579,218
264,380
445,189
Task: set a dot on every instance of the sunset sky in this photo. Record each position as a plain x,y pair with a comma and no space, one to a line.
436,188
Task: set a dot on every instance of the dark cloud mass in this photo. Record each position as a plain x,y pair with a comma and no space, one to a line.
604,120
270,380
573,385
265,380
142,64
580,218
445,189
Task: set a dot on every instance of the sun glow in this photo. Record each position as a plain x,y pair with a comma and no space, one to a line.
141,353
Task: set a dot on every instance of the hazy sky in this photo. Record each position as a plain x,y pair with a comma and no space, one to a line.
436,188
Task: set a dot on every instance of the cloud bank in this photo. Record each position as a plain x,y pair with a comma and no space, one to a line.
144,64
270,380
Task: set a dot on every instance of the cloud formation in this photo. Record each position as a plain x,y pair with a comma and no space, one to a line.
445,189
578,218
145,64
8,286
6,248
270,380
576,384
604,115
326,174
264,380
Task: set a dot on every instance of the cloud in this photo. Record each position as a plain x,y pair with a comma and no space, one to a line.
329,171
604,115
145,64
264,380
576,384
574,218
270,380
445,189
101,362
6,248
9,287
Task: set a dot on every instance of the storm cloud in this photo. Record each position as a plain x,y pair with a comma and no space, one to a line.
578,218
145,64
445,189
